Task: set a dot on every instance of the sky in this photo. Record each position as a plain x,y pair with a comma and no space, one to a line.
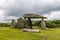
13,9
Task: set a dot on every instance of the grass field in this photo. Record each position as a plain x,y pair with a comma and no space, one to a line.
7,33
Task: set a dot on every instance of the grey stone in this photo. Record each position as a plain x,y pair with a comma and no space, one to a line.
30,30
13,23
43,25
20,23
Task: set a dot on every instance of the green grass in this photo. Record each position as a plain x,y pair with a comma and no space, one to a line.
7,33
50,34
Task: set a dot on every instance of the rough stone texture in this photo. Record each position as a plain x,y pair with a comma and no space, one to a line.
13,23
43,26
28,23
33,16
30,30
20,23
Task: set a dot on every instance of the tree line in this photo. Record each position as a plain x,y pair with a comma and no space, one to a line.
49,24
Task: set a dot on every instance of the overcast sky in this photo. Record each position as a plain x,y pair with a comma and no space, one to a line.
13,9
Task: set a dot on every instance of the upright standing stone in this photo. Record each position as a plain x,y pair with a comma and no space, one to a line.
28,23
13,23
25,24
20,23
43,26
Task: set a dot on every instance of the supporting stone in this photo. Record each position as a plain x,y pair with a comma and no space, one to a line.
30,23
26,24
43,26
13,23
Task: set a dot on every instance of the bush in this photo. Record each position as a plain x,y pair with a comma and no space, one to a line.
5,25
58,25
56,21
36,23
50,24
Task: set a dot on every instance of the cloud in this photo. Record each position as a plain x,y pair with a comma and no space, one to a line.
32,6
1,14
16,8
54,15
